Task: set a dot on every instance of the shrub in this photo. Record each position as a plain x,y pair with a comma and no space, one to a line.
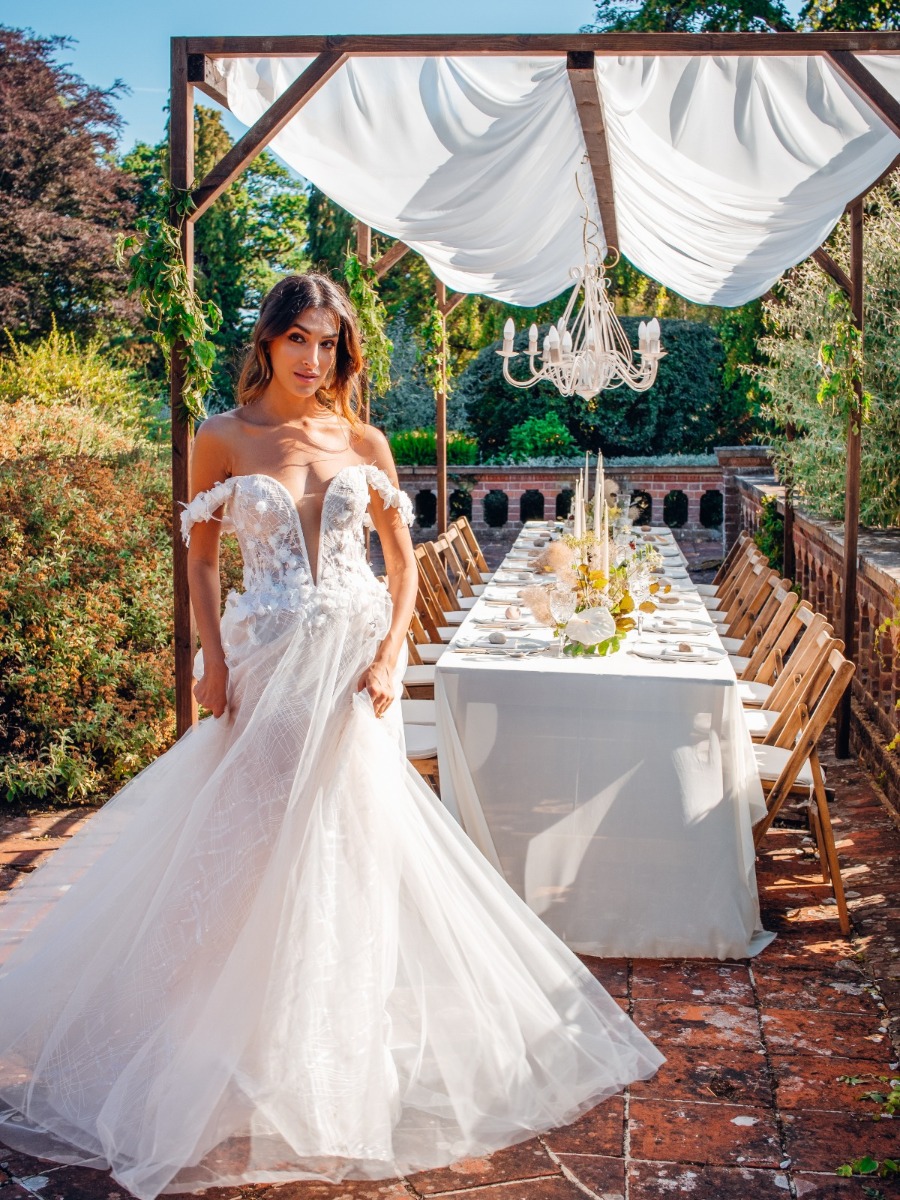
806,312
770,534
56,370
418,447
540,437
85,625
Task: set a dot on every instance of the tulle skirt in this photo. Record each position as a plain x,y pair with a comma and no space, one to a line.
273,956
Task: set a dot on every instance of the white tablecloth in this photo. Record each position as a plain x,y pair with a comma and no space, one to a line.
616,795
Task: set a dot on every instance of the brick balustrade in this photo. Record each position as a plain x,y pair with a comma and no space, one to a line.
818,550
656,481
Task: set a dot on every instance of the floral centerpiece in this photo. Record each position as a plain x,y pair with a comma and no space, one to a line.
611,587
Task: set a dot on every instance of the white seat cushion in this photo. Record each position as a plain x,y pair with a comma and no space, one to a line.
752,695
740,662
760,720
454,618
706,589
478,588
419,674
732,645
770,762
468,601
487,576
418,712
711,602
430,652
421,741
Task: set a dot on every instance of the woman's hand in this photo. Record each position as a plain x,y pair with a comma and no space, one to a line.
212,690
379,683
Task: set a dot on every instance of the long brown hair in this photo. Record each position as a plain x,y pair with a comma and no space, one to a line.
284,303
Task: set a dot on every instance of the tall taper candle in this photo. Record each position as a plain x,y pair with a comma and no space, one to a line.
604,542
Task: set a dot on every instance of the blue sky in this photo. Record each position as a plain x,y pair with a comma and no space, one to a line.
130,41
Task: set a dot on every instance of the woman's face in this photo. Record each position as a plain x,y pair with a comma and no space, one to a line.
303,356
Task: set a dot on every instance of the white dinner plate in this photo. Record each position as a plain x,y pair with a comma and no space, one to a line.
670,653
513,647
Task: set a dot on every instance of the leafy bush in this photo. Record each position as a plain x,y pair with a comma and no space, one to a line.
539,437
85,624
409,401
56,370
686,411
770,534
807,314
418,447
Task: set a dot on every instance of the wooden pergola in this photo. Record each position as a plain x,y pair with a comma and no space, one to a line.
194,67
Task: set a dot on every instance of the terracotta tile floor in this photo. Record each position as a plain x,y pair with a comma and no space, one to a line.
754,1099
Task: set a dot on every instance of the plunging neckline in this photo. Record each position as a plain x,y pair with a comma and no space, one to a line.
292,504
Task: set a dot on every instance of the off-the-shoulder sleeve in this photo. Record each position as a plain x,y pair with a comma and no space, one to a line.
393,497
203,507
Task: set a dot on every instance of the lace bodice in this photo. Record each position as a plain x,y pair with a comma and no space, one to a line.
277,575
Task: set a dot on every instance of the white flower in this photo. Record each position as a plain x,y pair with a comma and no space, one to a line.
591,626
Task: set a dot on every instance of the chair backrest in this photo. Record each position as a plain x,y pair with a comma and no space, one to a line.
796,657
441,582
778,635
468,533
464,555
801,684
445,545
751,600
779,603
738,547
837,673
735,584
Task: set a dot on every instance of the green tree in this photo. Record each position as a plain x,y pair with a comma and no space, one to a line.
690,16
850,14
62,200
253,233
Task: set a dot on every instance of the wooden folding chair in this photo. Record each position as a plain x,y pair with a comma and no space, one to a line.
799,682
465,559
722,595
471,541
770,621
739,547
792,769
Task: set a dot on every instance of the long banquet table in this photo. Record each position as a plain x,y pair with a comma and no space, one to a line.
616,795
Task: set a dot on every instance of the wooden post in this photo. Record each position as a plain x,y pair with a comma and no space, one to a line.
440,421
789,558
181,175
851,487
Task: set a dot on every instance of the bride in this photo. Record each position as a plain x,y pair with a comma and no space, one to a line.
273,955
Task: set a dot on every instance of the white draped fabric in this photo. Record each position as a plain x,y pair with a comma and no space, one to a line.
726,170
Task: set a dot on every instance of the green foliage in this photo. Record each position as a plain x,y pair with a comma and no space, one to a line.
370,312
85,624
158,275
810,359
685,410
540,437
418,447
849,14
739,331
56,370
330,233
254,233
691,16
770,534
867,1165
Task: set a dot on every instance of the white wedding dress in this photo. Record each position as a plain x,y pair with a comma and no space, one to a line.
273,955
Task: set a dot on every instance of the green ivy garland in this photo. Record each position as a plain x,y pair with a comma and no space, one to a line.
152,255
433,332
841,362
372,317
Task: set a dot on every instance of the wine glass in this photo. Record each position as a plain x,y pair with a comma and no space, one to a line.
562,609
639,586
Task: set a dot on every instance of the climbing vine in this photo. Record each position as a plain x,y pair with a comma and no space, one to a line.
372,317
152,255
432,340
841,362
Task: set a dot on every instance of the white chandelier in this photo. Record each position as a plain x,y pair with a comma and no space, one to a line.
593,353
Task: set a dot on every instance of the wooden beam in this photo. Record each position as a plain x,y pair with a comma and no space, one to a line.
889,170
390,258
859,41
450,302
835,272
866,85
204,74
269,124
589,102
851,486
363,243
181,172
440,423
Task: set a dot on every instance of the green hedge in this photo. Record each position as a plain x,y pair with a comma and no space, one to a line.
418,447
686,411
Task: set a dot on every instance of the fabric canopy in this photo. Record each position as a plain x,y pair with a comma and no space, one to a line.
726,170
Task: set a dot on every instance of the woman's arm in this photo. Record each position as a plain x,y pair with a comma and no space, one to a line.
402,575
209,465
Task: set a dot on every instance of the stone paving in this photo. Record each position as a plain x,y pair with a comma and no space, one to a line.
769,1062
